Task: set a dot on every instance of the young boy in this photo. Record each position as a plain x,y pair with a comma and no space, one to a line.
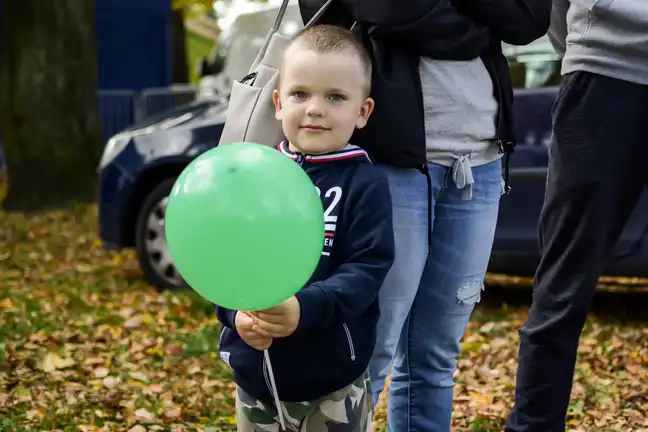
320,340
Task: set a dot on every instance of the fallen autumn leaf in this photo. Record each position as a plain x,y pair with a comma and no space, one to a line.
53,361
88,346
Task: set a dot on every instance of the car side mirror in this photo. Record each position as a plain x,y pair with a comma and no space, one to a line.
208,67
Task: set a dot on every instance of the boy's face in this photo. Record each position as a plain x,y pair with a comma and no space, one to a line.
320,100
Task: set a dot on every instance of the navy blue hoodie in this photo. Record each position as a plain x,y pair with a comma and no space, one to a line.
336,334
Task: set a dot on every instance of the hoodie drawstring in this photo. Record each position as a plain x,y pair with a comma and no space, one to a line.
462,175
426,172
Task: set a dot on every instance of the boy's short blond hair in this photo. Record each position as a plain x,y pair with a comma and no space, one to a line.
326,39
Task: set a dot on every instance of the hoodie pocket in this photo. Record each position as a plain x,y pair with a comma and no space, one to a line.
349,341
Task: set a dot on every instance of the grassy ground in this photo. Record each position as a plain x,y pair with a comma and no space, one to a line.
85,345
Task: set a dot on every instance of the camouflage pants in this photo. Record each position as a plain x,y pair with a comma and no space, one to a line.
346,410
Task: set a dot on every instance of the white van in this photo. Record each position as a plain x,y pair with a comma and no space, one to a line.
532,66
240,42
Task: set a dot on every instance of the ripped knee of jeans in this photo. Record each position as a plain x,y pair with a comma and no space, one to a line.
469,293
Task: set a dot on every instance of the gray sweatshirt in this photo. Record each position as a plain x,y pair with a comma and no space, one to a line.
605,37
460,111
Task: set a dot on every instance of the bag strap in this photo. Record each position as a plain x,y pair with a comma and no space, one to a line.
280,15
311,22
319,14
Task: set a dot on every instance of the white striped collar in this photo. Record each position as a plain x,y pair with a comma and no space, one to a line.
347,152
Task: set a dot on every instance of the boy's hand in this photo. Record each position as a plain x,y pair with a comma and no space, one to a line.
244,326
278,321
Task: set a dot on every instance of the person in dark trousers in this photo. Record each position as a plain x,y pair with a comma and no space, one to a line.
441,124
598,167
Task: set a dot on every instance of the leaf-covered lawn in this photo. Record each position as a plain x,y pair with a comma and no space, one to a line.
85,345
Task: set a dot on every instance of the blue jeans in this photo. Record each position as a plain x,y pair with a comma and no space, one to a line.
430,291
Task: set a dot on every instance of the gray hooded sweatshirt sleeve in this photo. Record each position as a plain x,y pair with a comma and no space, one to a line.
605,37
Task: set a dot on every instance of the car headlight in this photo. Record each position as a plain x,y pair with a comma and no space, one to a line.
114,146
212,87
118,142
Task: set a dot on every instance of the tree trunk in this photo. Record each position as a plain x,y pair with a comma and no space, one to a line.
179,48
48,102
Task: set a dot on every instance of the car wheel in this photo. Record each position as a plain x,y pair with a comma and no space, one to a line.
150,240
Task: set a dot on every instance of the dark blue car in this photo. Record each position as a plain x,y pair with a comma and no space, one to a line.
140,165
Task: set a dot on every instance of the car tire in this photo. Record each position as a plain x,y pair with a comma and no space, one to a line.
150,241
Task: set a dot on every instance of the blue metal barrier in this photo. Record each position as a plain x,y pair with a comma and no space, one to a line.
120,109
117,110
155,101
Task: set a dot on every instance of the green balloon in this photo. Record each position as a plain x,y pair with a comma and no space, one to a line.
245,226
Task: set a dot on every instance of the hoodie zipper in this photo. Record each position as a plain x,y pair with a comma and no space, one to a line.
500,111
350,341
301,158
501,145
220,338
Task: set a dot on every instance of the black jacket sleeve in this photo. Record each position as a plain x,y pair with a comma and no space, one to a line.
516,22
430,28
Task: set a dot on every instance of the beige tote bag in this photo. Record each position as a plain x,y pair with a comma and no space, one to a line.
250,114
